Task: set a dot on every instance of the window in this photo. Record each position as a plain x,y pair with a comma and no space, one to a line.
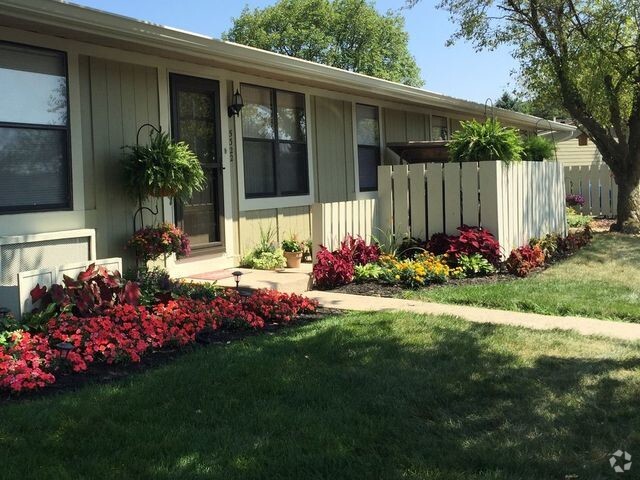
368,132
439,128
274,131
34,130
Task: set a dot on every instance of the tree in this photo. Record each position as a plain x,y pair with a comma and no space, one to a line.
509,102
584,53
348,34
539,107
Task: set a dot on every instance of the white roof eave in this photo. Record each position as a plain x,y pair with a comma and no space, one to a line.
76,17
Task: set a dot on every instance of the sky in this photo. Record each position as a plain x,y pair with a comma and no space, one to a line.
457,71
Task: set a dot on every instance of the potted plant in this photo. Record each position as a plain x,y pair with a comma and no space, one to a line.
163,168
293,250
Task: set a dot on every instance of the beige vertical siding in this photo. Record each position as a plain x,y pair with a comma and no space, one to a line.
571,153
333,148
116,99
284,221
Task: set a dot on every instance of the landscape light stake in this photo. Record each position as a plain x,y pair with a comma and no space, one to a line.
236,275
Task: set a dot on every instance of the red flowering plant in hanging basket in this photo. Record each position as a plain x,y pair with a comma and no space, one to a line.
150,243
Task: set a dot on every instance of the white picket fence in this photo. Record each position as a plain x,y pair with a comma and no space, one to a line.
331,222
596,184
515,202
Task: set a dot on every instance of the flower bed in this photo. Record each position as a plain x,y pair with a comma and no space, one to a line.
112,326
471,254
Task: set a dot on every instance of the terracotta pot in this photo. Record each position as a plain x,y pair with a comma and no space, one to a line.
293,259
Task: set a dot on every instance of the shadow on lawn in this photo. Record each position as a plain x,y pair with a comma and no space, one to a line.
608,246
367,398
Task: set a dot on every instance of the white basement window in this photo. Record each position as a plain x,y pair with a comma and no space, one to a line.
35,172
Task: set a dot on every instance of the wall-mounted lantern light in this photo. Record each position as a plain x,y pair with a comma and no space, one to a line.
236,104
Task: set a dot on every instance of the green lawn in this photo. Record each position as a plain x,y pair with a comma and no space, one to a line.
600,281
380,395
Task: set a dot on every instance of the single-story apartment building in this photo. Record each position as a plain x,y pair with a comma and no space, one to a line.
77,84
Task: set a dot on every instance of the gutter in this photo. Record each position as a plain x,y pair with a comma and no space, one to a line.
84,19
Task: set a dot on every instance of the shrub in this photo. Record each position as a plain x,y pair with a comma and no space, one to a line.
475,265
162,168
477,141
523,260
332,269
537,149
574,200
474,240
150,243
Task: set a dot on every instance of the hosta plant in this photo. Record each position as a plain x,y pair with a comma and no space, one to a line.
475,265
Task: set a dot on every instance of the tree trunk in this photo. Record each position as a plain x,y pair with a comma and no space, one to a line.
628,203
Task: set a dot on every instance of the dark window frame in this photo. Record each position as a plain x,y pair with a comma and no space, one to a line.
369,147
275,142
50,207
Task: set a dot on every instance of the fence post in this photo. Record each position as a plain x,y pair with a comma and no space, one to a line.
385,196
435,210
317,228
418,200
401,201
491,195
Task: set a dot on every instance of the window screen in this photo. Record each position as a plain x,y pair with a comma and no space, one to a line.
34,130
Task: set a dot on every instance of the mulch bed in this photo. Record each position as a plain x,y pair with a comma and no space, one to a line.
103,373
374,289
602,224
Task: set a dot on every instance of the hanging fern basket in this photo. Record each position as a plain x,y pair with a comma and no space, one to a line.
162,168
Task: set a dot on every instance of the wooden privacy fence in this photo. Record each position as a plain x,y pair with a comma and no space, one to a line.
515,202
331,222
595,183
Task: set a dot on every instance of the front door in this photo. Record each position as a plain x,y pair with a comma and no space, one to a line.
195,120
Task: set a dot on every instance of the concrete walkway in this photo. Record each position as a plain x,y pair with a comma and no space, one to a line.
288,280
585,326
298,281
